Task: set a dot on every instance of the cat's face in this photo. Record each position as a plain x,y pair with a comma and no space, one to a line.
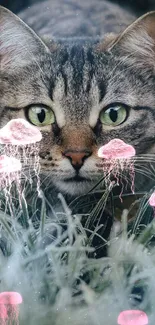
80,95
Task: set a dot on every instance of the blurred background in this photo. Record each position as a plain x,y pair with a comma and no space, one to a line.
138,7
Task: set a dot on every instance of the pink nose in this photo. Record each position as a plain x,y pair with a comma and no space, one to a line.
77,158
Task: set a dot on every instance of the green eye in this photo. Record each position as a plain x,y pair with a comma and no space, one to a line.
40,115
114,115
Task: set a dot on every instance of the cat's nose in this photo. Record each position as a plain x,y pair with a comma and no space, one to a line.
77,158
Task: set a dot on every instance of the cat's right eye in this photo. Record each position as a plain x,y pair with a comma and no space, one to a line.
40,115
114,115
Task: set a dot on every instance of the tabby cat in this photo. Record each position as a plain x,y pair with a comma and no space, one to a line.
86,79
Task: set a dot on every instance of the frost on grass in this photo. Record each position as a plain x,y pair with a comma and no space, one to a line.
47,263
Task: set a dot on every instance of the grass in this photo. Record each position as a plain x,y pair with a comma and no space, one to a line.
50,258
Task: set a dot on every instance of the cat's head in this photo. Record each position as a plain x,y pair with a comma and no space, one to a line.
80,95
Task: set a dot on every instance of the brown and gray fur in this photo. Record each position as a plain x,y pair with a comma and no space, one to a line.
80,71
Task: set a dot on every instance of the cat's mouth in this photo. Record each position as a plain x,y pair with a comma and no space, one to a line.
76,178
75,184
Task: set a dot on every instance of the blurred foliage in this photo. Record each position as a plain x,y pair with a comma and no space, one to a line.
137,6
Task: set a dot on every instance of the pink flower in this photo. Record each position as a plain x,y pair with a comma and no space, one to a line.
9,302
116,149
132,317
19,132
10,298
152,200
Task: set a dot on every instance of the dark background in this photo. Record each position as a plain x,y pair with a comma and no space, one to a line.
137,6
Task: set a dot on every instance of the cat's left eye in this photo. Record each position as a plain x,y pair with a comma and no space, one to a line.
114,115
40,115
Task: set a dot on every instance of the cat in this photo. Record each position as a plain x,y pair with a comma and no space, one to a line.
88,77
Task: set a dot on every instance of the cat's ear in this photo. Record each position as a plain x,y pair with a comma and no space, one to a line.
139,38
19,45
